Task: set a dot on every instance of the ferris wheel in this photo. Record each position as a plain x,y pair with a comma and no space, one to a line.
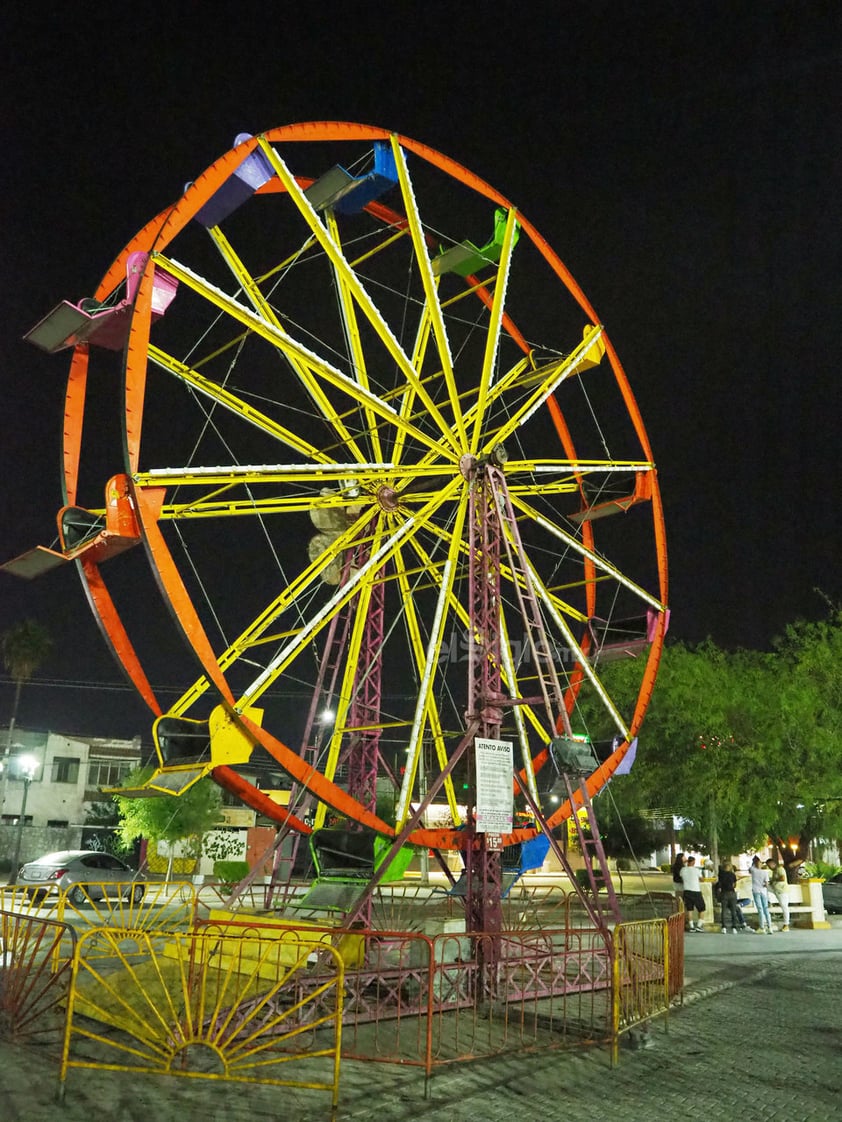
389,476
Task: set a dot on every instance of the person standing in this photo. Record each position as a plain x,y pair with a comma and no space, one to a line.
727,883
691,880
779,887
677,866
760,895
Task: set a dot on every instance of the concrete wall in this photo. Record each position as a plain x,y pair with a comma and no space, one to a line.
35,841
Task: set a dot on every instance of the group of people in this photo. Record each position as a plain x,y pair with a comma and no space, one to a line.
766,877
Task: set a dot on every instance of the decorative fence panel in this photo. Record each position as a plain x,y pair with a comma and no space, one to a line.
35,970
162,906
209,1005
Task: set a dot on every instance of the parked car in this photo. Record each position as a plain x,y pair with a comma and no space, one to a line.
832,894
69,868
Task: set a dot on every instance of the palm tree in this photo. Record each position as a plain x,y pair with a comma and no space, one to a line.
24,646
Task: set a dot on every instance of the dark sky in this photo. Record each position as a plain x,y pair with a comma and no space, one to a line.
684,159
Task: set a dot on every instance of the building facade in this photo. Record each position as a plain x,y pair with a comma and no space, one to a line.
67,781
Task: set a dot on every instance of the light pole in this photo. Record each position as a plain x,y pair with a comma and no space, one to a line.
27,765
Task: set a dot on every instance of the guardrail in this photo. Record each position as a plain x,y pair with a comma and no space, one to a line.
240,993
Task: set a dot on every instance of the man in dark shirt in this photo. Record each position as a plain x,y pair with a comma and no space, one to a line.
727,884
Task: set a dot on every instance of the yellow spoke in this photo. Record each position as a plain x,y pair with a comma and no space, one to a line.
575,467
293,647
510,677
548,378
598,561
420,657
448,578
256,632
548,600
235,404
433,308
346,688
263,309
303,360
352,334
246,281
492,340
365,302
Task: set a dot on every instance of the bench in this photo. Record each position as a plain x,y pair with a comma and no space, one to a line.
806,912
775,908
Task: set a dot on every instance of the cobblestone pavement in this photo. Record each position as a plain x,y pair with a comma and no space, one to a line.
759,1037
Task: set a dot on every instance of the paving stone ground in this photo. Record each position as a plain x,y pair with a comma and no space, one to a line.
759,1038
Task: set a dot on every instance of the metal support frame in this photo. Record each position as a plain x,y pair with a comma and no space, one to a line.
540,648
484,894
364,751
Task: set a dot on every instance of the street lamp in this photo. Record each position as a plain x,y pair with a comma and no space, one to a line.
27,766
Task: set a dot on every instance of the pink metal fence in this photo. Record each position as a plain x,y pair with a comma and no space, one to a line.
430,1000
36,959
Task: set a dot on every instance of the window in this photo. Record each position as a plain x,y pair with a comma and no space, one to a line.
14,819
58,822
108,773
65,769
113,864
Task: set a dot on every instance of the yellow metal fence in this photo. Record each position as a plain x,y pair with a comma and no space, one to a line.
648,969
205,1006
155,907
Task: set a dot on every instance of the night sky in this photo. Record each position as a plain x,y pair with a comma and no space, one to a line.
684,159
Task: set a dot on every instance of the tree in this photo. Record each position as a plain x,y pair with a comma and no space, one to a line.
169,818
743,745
809,690
701,742
25,647
624,832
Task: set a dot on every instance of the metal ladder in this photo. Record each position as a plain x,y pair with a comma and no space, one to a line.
543,657
606,907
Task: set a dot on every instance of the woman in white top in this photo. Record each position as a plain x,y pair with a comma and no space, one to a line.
760,895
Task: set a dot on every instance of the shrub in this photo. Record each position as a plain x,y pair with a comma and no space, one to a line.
824,870
230,873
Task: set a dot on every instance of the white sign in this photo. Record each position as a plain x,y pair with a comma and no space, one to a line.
495,793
